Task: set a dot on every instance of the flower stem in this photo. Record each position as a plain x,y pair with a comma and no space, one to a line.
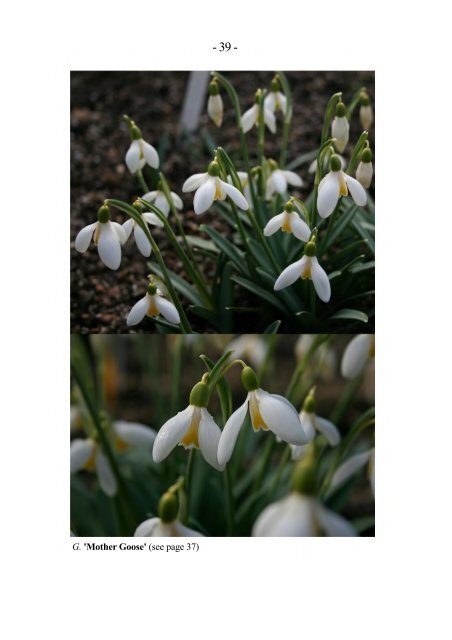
188,479
229,501
271,442
284,460
142,181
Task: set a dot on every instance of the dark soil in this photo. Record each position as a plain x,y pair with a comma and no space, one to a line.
101,298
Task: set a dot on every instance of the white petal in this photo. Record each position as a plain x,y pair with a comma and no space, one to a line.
279,180
328,194
299,228
150,196
134,433
320,280
127,227
133,160
146,528
307,422
270,120
329,430
185,532
333,524
143,244
81,451
366,116
235,195
270,101
109,247
283,102
171,434
162,203
298,451
364,174
249,118
209,436
150,154
269,187
177,201
349,468
290,274
356,355
137,312
357,191
230,433
194,182
215,109
204,196
152,218
84,237
105,474
340,130
274,224
120,232
167,309
281,417
292,516
293,179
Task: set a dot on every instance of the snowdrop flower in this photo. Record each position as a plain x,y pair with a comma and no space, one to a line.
324,360
249,347
326,159
143,244
140,152
307,267
313,424
158,199
166,525
87,454
193,427
359,351
290,222
251,117
336,183
340,128
351,466
209,188
301,514
279,180
215,104
268,411
245,182
153,305
365,170
275,100
366,114
132,434
107,235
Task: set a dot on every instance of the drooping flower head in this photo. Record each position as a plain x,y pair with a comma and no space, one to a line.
301,513
158,199
86,454
290,222
279,180
335,184
209,187
268,411
365,170
340,128
107,235
275,100
140,152
313,424
142,242
215,103
358,353
250,347
166,524
366,114
251,117
307,267
193,427
153,305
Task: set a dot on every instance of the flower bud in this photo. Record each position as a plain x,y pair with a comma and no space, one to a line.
213,88
340,110
168,507
249,379
366,114
199,395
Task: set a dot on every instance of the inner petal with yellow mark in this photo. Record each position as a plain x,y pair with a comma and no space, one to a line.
90,464
152,308
190,438
218,190
286,226
141,149
343,190
120,444
306,273
256,419
97,234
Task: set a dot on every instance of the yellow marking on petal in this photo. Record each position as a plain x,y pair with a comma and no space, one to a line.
120,444
256,419
190,438
343,190
307,270
90,464
152,308
141,150
97,234
286,224
217,190
372,347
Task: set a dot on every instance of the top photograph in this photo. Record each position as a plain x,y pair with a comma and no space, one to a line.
222,202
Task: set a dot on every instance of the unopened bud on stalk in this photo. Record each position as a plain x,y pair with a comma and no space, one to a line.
168,507
340,127
366,115
365,169
215,104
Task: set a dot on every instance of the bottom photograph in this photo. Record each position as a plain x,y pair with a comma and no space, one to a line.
222,435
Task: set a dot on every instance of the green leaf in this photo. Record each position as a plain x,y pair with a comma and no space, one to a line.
236,256
273,327
260,293
349,314
180,284
201,243
206,314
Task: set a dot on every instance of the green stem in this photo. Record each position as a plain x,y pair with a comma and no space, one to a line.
142,181
287,118
188,479
318,340
265,461
229,501
282,463
177,374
